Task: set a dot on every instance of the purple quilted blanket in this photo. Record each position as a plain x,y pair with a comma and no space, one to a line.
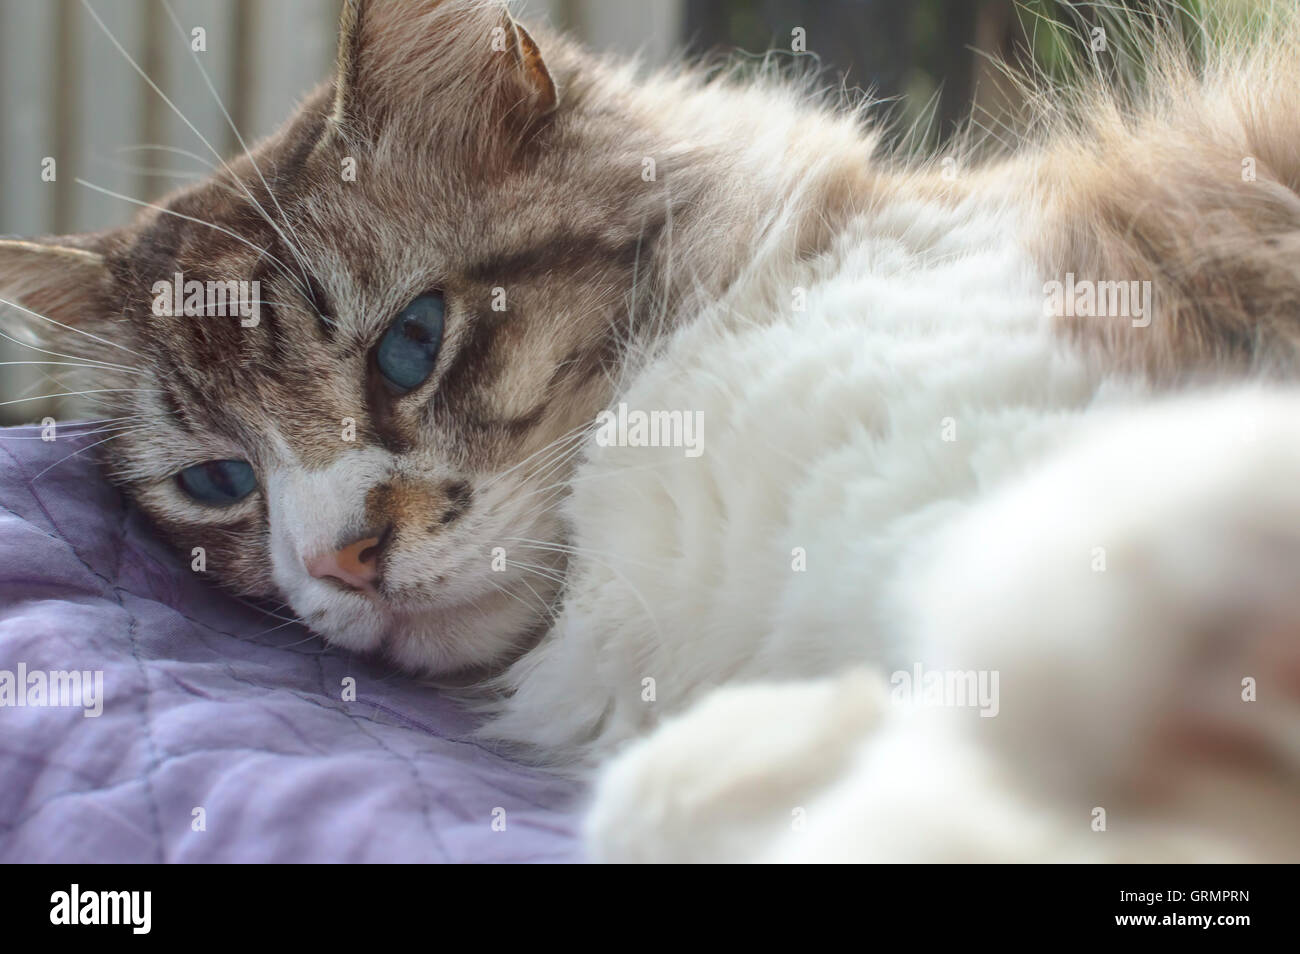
224,734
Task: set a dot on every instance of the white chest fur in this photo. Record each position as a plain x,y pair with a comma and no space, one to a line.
846,407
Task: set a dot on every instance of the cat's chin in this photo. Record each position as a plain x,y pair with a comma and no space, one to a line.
430,640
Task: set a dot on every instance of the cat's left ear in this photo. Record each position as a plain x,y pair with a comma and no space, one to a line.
58,285
456,65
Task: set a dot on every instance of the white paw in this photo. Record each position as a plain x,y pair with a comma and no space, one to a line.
727,779
1134,595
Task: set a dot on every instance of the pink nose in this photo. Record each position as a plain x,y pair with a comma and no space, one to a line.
356,566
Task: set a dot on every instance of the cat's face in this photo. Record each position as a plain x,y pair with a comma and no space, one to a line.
443,268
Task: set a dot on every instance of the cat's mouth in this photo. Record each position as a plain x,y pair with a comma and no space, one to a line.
429,634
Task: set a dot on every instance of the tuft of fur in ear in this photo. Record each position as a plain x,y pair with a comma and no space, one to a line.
544,96
462,69
52,290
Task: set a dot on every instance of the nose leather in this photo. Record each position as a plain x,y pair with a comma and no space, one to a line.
355,566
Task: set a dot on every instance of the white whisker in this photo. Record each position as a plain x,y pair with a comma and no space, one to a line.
78,453
572,435
45,397
296,250
174,108
68,424
546,572
34,437
106,365
262,253
34,314
171,149
74,364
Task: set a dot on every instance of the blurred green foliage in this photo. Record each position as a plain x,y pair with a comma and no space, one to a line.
934,57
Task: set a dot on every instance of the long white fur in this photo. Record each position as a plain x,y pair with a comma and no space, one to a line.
831,430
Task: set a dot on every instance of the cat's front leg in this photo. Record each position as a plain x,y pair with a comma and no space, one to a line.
725,780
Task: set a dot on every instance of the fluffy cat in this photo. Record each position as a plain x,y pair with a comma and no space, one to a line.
913,449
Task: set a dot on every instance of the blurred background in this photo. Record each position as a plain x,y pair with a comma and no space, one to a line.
67,91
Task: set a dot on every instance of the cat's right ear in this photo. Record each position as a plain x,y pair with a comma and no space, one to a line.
50,286
461,70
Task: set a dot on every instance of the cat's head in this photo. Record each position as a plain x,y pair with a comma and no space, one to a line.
445,240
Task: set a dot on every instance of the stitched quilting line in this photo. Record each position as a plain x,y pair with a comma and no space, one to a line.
425,807
266,710
146,697
395,714
240,637
36,498
319,702
432,753
58,533
384,751
46,761
28,525
356,719
379,755
155,814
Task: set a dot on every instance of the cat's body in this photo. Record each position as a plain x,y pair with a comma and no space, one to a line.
917,469
904,454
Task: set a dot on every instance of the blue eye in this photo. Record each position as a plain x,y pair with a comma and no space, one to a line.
218,482
409,348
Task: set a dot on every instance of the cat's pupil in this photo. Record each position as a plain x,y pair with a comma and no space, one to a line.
414,332
408,351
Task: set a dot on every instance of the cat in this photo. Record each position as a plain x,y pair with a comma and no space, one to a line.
683,431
